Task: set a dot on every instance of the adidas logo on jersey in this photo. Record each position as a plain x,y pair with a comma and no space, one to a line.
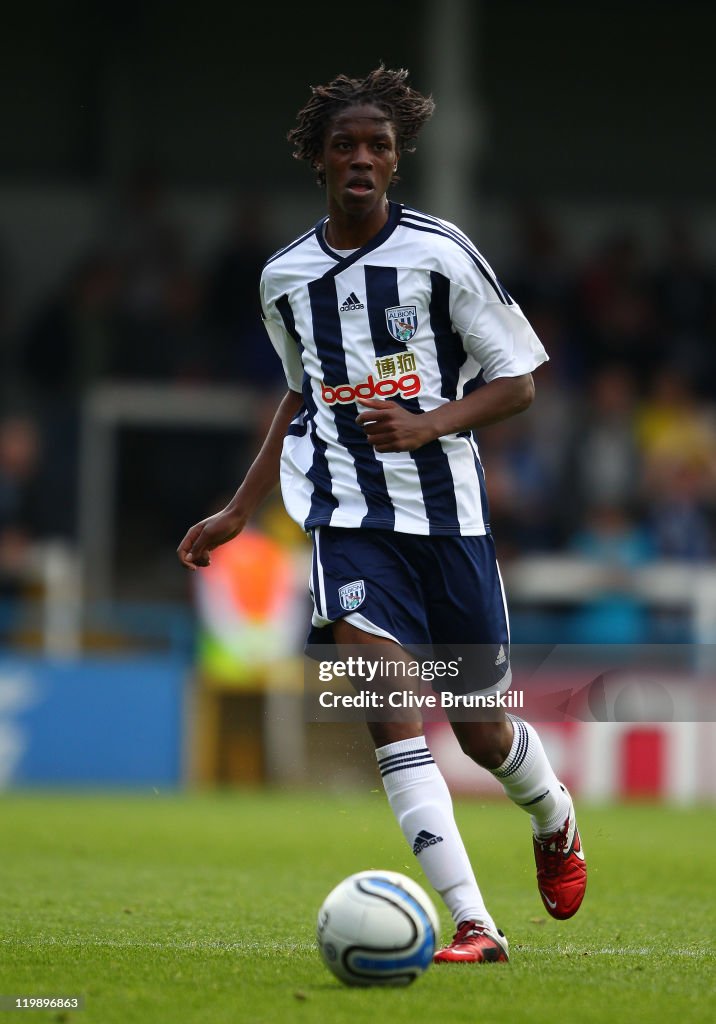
352,302
501,656
425,839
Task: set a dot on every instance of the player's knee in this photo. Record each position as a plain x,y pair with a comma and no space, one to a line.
485,743
384,733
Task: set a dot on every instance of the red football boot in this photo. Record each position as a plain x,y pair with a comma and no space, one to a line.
474,944
561,869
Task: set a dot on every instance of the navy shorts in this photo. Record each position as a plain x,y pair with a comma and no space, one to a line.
435,596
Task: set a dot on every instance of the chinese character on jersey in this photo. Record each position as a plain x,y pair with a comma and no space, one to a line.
406,362
386,367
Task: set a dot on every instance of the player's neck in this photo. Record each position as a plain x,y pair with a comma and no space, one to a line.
348,231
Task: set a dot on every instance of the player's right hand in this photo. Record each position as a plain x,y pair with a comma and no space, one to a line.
201,539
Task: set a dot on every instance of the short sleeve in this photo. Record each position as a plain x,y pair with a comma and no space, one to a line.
493,328
497,334
287,352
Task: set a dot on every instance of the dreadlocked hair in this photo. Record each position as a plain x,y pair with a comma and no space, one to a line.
406,108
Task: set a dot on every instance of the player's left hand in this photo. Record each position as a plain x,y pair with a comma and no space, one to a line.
391,428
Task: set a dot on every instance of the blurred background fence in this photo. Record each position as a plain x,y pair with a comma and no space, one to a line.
144,180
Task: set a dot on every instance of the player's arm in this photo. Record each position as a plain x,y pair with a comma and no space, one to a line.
391,428
262,477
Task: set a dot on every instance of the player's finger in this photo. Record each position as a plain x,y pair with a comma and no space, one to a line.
382,439
374,416
375,420
199,553
194,549
376,407
184,551
375,403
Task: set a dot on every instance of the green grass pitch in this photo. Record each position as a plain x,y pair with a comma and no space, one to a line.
189,909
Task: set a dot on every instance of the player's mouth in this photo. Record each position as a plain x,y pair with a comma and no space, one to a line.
360,186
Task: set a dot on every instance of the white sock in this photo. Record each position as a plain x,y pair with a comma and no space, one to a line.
529,781
421,802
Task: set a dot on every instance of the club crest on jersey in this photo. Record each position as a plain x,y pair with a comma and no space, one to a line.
352,595
402,321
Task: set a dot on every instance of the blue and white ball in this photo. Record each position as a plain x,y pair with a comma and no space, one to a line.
377,928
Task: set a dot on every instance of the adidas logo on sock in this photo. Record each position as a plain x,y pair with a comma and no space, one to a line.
425,839
501,656
352,302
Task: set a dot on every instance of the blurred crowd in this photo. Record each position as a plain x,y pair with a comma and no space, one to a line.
616,459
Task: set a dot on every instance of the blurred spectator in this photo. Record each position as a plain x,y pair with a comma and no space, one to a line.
539,276
612,538
519,489
170,343
603,466
526,458
567,357
72,342
159,298
146,243
679,517
677,434
614,311
19,456
70,345
240,348
674,430
684,293
6,368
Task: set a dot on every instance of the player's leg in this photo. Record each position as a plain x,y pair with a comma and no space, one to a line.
421,802
511,749
505,745
530,782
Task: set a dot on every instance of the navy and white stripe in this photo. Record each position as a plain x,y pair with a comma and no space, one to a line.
451,355
292,245
422,222
518,754
431,461
400,762
537,800
328,341
318,583
466,330
323,501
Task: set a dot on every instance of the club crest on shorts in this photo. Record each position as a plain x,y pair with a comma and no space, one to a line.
352,595
402,321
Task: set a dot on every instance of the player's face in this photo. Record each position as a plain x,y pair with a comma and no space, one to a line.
359,160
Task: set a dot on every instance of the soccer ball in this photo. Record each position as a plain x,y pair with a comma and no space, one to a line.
377,928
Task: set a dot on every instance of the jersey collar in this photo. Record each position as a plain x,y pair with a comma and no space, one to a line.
395,211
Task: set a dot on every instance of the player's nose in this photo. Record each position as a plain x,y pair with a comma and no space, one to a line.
362,157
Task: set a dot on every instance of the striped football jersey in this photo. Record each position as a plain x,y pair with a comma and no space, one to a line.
417,316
